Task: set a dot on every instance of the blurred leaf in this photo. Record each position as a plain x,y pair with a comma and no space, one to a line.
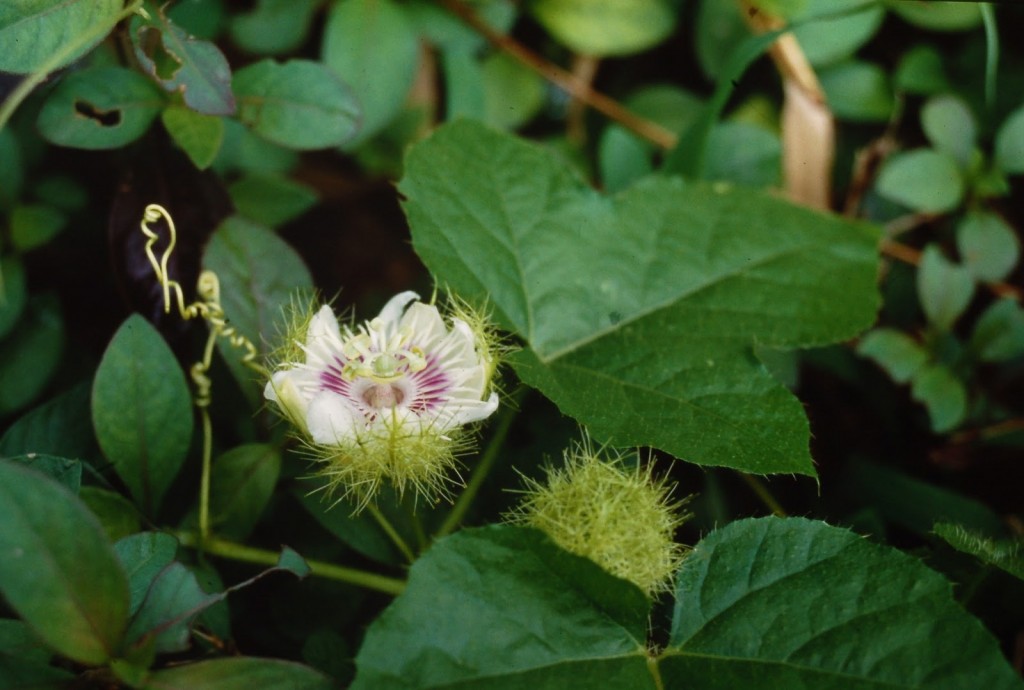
30,355
950,126
200,136
64,471
60,426
168,610
943,394
142,411
900,355
238,673
785,9
603,28
329,652
34,225
922,180
936,15
1010,143
13,293
62,192
719,29
1005,554
99,108
911,503
573,625
844,27
57,570
513,94
920,71
988,246
115,512
298,104
944,288
372,46
273,27
999,333
361,532
642,330
216,618
12,174
464,86
34,31
744,154
242,482
245,151
259,274
202,18
447,32
25,663
781,603
272,200
858,91
182,64
144,556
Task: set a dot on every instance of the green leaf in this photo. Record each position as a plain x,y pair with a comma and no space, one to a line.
843,27
298,104
25,663
858,91
144,556
64,471
950,126
115,512
199,136
201,18
57,570
295,564
446,32
58,427
922,180
999,333
273,27
238,673
183,64
167,612
142,411
988,246
513,93
640,310
944,288
12,173
242,482
271,199
259,274
361,532
1010,143
777,603
911,503
13,293
745,154
719,29
464,86
371,45
34,31
245,151
34,225
937,15
920,71
938,389
62,192
99,108
900,355
1005,554
30,355
572,625
603,28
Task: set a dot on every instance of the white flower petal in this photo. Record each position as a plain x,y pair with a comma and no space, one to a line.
425,323
392,311
331,419
323,337
284,388
468,414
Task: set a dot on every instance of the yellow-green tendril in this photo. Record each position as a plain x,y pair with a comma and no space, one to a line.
208,308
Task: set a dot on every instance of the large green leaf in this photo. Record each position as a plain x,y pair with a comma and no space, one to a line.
60,427
57,570
100,108
299,104
167,612
34,31
142,411
64,471
183,64
242,482
372,46
259,275
24,662
501,608
791,603
144,556
640,310
239,673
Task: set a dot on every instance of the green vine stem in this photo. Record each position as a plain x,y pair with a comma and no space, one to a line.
483,468
758,487
31,81
988,16
392,533
223,548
